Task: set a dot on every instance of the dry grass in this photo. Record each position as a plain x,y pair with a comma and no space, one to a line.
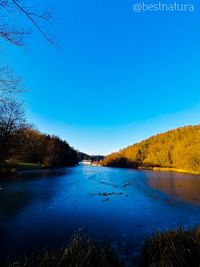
11,167
81,252
174,170
173,249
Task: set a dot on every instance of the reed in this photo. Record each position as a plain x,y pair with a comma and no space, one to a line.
179,248
81,252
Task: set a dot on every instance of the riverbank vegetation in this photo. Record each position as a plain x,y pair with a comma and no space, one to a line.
81,252
14,167
19,141
174,248
37,150
177,149
22,146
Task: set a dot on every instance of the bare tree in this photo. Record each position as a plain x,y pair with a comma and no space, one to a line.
11,111
14,33
9,84
11,120
12,117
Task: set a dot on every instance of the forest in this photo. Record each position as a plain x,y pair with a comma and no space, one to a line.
82,156
178,148
20,142
31,146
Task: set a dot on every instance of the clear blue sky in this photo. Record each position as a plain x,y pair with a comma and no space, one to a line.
119,76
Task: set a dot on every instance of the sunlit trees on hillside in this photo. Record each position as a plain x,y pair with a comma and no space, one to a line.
179,148
31,146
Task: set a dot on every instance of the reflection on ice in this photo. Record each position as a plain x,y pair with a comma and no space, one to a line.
116,206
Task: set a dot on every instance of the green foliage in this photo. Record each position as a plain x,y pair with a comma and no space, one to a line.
179,148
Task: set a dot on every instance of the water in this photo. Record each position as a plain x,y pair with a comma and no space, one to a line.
118,207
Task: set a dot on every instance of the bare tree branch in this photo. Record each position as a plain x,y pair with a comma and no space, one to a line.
11,119
9,85
12,33
13,36
30,16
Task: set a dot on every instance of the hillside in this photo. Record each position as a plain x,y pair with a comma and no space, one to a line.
83,156
27,145
178,148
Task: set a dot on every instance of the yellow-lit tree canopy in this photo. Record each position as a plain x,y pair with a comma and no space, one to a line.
179,148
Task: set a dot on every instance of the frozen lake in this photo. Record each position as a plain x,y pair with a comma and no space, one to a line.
118,207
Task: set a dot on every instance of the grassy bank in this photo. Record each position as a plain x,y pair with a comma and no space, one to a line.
179,248
164,169
14,167
174,170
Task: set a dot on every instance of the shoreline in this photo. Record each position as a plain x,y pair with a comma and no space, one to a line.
177,247
162,169
14,168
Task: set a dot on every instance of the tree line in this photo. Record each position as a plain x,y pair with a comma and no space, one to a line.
94,158
178,148
19,141
31,146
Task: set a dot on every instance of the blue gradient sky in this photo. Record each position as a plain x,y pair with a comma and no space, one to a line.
119,76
